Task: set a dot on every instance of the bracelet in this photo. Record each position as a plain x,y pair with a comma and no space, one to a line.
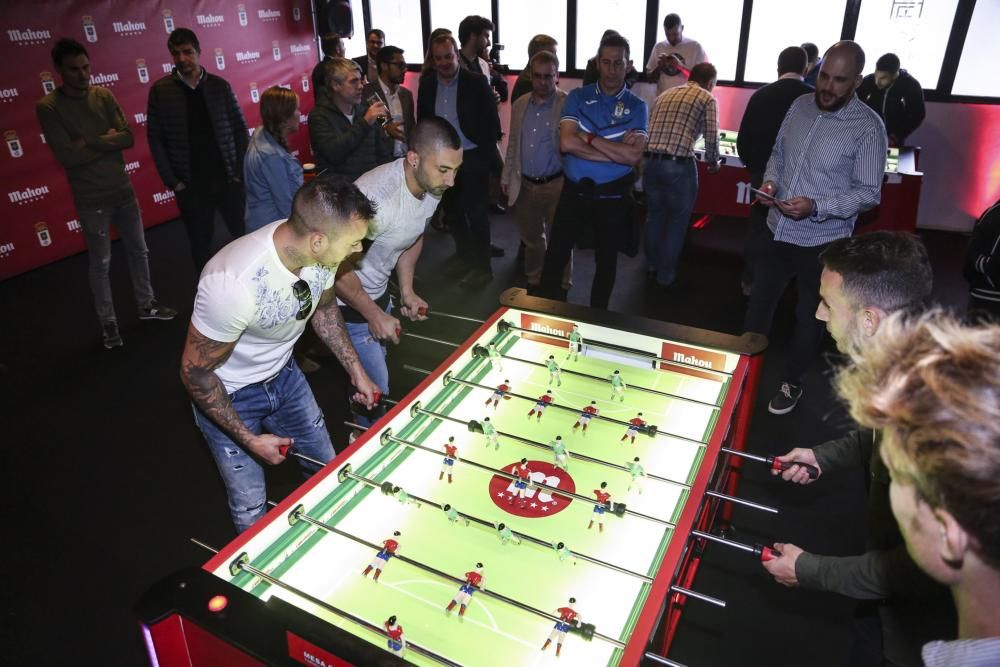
590,139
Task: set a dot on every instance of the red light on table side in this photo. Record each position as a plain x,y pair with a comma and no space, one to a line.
217,603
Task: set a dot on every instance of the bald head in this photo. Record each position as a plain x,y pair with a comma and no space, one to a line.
851,51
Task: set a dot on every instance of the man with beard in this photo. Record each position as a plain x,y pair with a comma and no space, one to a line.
864,280
405,193
826,168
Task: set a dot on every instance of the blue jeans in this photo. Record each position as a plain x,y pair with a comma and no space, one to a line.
283,405
671,188
371,354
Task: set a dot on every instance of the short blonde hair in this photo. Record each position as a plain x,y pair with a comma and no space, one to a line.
933,385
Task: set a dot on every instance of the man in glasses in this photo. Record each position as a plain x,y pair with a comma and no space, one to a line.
406,193
254,299
388,87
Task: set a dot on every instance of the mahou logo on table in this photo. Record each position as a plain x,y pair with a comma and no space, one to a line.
537,502
688,360
545,325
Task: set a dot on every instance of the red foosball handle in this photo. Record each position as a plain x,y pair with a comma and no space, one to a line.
767,553
377,397
284,449
422,311
785,465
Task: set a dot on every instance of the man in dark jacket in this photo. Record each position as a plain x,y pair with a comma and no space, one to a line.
343,128
758,129
368,63
895,96
198,137
982,266
333,47
865,279
465,100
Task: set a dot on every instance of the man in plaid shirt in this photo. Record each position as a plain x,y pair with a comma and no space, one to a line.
680,115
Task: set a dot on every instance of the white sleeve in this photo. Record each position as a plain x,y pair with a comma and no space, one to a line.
653,57
223,308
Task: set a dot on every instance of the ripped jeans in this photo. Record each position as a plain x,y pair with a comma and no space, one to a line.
283,405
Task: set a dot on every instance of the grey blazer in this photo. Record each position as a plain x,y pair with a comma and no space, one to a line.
511,176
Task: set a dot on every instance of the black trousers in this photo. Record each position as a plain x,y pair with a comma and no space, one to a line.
198,203
467,209
588,219
757,232
776,265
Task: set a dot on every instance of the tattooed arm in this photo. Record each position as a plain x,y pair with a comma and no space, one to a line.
329,326
200,358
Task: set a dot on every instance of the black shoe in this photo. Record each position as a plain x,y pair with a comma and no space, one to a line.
154,311
111,336
476,278
497,251
786,399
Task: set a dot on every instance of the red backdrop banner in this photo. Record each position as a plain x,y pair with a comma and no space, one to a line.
253,44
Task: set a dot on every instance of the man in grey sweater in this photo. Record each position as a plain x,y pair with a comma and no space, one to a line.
87,132
864,280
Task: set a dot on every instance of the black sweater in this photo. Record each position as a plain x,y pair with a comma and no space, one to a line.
762,120
901,105
982,260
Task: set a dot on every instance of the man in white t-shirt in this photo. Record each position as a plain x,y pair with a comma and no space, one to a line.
405,192
254,299
672,59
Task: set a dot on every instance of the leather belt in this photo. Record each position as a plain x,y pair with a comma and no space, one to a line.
666,156
542,180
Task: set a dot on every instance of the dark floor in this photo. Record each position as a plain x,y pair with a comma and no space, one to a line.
105,477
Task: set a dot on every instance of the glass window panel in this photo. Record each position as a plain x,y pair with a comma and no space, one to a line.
449,13
515,32
915,30
400,21
715,25
355,46
777,24
977,67
593,17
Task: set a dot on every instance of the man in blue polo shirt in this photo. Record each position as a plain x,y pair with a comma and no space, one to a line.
602,134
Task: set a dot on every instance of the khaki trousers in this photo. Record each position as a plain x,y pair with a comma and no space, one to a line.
534,212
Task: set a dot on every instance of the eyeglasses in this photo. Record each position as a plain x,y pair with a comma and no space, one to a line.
399,64
305,298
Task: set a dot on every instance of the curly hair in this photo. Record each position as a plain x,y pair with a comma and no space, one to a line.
932,385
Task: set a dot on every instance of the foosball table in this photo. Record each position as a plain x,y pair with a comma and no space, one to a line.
542,494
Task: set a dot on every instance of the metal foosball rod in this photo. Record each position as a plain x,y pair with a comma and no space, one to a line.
348,474
763,552
387,436
482,352
774,463
742,501
298,514
697,596
408,334
416,408
241,563
663,660
504,325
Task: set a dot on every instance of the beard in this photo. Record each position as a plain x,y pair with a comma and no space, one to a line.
831,103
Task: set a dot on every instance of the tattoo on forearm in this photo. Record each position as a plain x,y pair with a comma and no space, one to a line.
201,357
329,326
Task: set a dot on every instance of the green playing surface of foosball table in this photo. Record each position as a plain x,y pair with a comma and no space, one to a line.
324,539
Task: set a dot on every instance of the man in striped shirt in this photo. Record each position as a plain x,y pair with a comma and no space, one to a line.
680,115
825,169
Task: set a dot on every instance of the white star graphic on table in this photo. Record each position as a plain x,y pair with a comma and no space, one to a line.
500,495
545,509
534,505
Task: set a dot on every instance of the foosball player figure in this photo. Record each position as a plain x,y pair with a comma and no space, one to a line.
601,507
453,515
553,367
575,343
495,359
498,393
617,387
397,642
523,474
389,549
586,415
567,617
450,455
490,431
403,497
634,425
560,453
563,552
543,402
637,472
506,534
474,581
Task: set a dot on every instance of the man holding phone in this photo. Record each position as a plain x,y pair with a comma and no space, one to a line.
825,169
